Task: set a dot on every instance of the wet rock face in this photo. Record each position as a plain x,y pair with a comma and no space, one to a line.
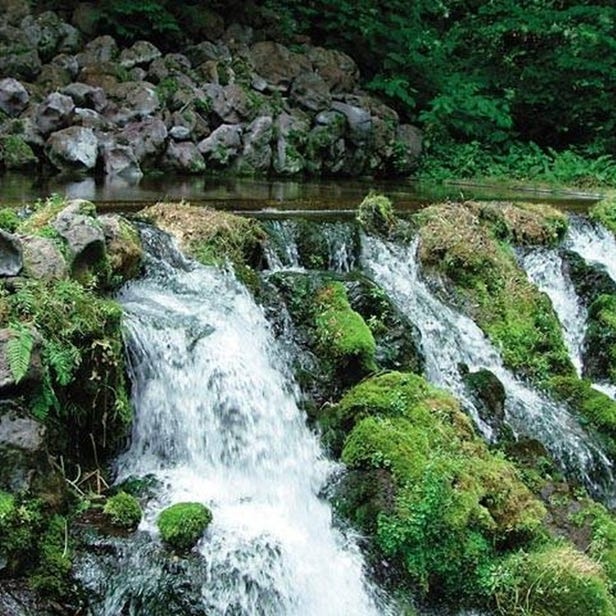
489,396
11,260
13,96
54,113
73,149
42,258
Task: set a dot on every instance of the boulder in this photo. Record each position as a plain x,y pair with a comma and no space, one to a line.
17,57
147,138
310,91
101,75
49,35
291,131
137,74
230,103
359,122
171,65
277,65
87,96
257,152
337,69
42,258
83,235
120,161
179,133
101,49
73,149
13,97
135,99
54,113
222,145
198,54
88,118
409,139
11,259
15,153
124,250
140,54
489,395
183,157
13,11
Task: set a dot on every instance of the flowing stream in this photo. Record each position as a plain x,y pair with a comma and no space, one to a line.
593,242
450,339
217,422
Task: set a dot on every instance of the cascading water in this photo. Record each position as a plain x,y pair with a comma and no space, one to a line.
593,242
544,267
450,339
217,422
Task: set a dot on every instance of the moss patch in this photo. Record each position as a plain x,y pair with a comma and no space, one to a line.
182,524
604,213
601,337
376,214
484,278
123,510
9,220
15,153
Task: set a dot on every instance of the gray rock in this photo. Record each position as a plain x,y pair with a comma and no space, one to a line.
68,63
73,149
137,74
291,131
140,54
88,118
183,158
179,133
120,160
410,139
53,77
136,99
83,235
222,145
257,152
310,91
13,96
15,153
171,65
147,138
198,54
54,113
277,65
336,68
87,96
11,258
17,57
42,258
101,49
238,34
13,11
359,122
230,103
49,35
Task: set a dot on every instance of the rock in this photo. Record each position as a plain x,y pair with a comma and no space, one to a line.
257,151
222,145
140,54
488,394
409,139
49,35
192,121
337,70
87,96
277,64
238,34
179,133
120,160
230,103
85,18
88,118
53,77
171,65
13,11
124,250
183,157
17,58
83,235
102,75
359,122
73,149
15,153
147,138
13,97
100,50
11,260
54,113
42,258
291,131
136,99
198,54
137,74
34,372
310,91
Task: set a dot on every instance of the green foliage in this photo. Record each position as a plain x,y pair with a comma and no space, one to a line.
124,510
604,212
341,332
9,220
601,335
15,153
182,524
19,351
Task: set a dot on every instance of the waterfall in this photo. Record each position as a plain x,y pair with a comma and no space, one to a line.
217,422
450,338
593,242
544,268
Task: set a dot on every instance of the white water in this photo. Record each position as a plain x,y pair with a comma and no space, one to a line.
544,268
217,422
593,242
450,338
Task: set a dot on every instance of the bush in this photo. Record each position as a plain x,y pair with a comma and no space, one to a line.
124,510
182,524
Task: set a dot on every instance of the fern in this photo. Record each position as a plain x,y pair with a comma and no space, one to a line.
45,399
19,351
63,359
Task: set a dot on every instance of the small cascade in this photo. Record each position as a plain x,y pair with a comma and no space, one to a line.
544,268
593,242
281,250
450,339
217,422
341,240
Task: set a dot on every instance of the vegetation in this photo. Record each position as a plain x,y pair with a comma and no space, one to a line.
123,510
604,212
182,524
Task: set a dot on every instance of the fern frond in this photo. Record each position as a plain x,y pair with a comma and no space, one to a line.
19,351
63,360
45,400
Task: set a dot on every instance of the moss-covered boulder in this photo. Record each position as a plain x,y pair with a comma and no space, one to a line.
460,246
15,153
376,214
600,339
604,213
183,524
450,506
123,510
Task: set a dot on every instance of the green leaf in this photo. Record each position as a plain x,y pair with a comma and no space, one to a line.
19,351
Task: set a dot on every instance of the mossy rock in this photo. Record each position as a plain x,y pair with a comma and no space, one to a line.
484,279
604,213
451,505
600,339
376,214
210,236
15,153
556,581
123,510
183,524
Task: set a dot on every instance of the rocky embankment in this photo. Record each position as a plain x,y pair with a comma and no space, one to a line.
229,102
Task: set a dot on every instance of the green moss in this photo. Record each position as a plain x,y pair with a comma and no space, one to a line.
376,214
604,212
124,253
124,510
554,581
454,503
15,153
182,524
9,220
601,336
487,282
44,212
342,334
